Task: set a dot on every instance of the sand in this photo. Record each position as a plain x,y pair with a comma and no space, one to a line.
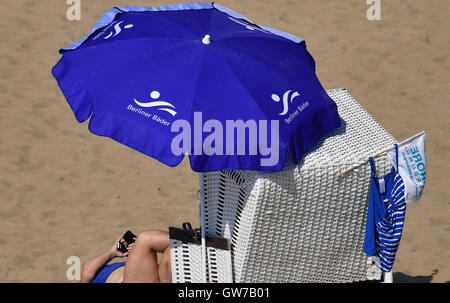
66,192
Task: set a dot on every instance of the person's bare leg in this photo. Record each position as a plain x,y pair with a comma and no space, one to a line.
164,271
142,263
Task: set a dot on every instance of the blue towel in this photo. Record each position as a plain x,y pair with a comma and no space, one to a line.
105,271
385,217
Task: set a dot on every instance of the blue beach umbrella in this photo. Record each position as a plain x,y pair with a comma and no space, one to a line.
201,79
187,78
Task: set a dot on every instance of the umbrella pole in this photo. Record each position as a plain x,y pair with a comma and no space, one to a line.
203,229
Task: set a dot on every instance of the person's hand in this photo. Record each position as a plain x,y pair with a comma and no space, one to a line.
117,253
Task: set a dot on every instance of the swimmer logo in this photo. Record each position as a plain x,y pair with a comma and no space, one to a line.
248,25
155,95
276,98
118,29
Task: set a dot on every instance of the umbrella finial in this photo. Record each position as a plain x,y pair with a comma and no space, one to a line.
206,39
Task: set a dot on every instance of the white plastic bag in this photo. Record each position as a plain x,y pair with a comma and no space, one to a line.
411,165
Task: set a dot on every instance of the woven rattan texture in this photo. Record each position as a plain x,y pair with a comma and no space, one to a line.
186,263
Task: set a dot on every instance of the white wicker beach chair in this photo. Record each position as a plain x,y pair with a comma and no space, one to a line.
186,257
301,224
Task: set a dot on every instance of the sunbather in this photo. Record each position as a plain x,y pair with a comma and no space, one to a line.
141,264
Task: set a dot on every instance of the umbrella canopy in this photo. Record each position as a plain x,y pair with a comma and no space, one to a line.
197,78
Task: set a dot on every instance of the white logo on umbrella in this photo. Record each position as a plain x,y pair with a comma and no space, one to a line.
249,26
117,30
276,98
155,95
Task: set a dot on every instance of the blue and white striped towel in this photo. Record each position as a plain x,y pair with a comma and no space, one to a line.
385,217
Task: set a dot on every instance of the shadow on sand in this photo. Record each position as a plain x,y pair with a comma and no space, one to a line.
400,277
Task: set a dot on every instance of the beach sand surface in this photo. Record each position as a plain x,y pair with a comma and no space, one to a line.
66,192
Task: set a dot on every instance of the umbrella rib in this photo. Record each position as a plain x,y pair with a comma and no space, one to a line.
196,35
271,37
268,63
108,43
240,82
153,14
